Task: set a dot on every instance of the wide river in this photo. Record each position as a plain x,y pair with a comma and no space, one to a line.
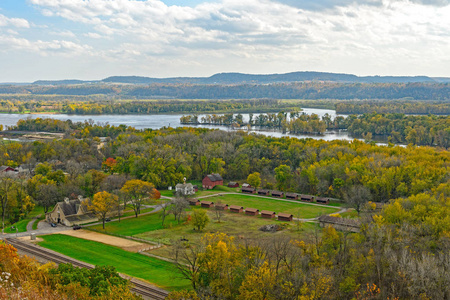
158,121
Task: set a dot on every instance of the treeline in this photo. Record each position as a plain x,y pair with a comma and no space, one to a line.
295,90
398,107
398,128
296,123
428,130
145,107
164,157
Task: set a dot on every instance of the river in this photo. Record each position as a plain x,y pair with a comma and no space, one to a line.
158,121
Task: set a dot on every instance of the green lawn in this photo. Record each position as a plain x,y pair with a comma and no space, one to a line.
135,226
131,212
22,224
298,209
156,271
216,190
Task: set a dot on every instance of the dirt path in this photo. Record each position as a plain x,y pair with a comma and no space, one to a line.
30,224
125,244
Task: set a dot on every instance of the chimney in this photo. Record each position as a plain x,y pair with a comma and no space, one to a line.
66,200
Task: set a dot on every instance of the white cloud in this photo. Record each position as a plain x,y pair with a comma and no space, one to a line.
368,36
14,22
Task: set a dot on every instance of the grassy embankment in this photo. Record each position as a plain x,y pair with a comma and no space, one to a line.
159,272
22,224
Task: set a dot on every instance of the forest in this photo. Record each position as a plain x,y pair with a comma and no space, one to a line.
428,130
292,90
402,251
397,107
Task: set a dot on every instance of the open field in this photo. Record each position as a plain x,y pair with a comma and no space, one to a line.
125,244
135,226
231,224
298,209
156,271
239,226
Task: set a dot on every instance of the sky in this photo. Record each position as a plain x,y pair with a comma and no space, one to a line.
94,39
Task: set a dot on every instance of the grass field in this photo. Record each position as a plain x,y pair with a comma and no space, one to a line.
239,226
298,209
216,190
22,224
156,271
135,226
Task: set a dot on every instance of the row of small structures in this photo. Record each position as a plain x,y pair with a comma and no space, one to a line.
239,209
290,196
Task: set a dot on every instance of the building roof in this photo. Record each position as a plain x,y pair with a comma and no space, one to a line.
252,210
267,212
322,198
307,196
339,221
83,217
291,195
6,168
207,202
232,183
70,207
277,192
263,191
236,207
182,185
283,215
248,189
214,177
221,205
246,185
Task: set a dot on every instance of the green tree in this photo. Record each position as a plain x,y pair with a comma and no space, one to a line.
199,218
254,179
282,175
136,192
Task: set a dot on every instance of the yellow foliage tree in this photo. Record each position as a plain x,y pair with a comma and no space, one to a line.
102,204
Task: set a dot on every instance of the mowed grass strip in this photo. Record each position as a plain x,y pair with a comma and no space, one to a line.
158,272
133,226
298,209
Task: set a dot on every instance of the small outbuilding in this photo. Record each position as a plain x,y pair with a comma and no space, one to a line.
221,206
323,200
285,217
194,202
211,180
307,198
233,184
236,208
291,196
246,185
277,194
252,211
267,214
264,192
248,190
207,204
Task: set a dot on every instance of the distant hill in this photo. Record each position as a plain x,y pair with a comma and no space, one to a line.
240,78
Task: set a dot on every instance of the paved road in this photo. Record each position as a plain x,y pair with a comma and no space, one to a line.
44,228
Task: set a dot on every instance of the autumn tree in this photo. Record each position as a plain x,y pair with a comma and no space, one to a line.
103,203
199,219
136,192
254,179
358,196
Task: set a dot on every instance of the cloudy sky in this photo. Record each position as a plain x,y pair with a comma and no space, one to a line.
94,39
